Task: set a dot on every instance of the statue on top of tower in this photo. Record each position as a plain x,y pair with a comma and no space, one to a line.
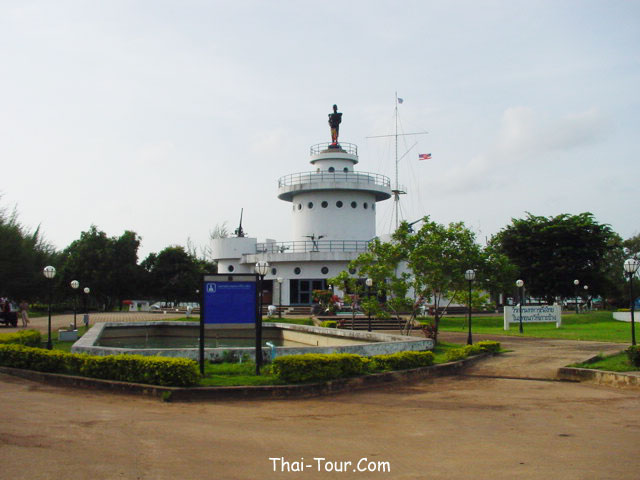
335,119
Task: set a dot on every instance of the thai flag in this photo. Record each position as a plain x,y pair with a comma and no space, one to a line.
424,156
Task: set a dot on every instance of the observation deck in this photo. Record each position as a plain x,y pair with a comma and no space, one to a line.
290,185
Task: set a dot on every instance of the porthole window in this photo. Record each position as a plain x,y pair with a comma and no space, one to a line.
299,206
339,204
297,270
331,169
345,169
230,268
325,204
365,205
354,204
324,270
274,271
310,205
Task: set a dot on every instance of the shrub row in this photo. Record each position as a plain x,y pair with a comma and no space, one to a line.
177,372
329,324
319,367
486,346
633,353
30,338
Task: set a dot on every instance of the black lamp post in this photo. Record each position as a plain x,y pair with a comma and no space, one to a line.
49,272
261,268
630,268
280,280
520,285
86,291
369,283
75,285
470,276
576,282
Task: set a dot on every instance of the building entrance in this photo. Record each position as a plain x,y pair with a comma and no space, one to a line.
301,290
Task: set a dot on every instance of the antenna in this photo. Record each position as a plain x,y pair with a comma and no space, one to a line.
396,191
239,231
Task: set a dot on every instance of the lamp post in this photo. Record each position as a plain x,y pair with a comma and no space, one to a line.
630,268
86,291
576,282
261,268
75,284
49,272
470,276
520,284
280,280
586,297
369,283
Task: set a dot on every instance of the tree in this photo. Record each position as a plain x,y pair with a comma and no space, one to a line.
551,252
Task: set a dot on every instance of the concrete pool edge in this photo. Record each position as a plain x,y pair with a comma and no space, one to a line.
380,343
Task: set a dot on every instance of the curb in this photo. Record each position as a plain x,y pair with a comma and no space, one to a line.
599,377
248,392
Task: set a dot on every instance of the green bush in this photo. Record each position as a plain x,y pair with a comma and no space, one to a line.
455,354
30,338
179,372
633,353
489,346
313,367
329,324
402,360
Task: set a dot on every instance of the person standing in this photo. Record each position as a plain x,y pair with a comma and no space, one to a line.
24,309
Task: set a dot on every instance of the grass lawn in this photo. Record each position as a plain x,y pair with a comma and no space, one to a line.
613,363
593,326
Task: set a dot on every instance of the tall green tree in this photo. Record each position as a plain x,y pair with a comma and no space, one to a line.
551,252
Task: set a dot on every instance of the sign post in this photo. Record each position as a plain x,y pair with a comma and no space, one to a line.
227,299
534,314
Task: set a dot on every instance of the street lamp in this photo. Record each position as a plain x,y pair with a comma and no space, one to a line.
576,282
470,276
49,272
369,283
85,320
280,280
75,284
261,268
630,268
586,297
520,284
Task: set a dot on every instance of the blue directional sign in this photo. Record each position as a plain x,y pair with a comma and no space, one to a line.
229,299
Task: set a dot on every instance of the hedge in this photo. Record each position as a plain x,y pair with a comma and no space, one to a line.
30,338
312,367
165,371
329,324
403,360
486,346
633,353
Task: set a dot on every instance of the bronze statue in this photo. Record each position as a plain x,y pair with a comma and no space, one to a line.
335,119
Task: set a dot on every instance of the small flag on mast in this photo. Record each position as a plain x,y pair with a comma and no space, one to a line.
424,156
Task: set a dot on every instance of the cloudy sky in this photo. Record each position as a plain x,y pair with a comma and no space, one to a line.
168,117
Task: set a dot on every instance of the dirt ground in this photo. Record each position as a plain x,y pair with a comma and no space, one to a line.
504,419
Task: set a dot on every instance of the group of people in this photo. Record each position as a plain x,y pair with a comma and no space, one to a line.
8,306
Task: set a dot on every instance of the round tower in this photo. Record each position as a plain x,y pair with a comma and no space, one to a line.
333,202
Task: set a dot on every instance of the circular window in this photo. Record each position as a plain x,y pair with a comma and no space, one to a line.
324,270
299,206
230,268
352,271
339,204
365,205
274,271
310,205
345,169
354,204
331,169
297,270
325,204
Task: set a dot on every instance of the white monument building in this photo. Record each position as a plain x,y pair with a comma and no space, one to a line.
333,210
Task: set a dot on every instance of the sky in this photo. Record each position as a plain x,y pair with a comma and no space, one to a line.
168,117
